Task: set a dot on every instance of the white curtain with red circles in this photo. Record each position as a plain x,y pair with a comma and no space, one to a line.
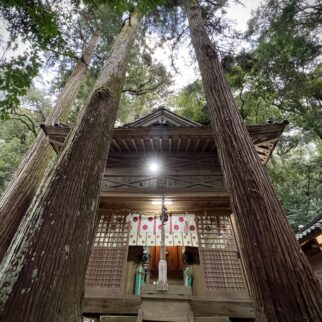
180,230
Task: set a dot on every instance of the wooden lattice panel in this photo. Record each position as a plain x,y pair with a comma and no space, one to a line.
112,231
222,270
219,256
215,232
105,267
109,252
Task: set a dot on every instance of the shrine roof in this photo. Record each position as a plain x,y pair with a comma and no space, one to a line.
162,117
165,131
310,230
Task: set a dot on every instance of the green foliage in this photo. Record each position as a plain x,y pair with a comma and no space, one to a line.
145,88
143,6
36,25
15,78
297,177
33,21
15,140
190,102
281,72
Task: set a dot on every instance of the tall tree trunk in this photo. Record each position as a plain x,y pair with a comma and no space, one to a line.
21,190
282,283
43,274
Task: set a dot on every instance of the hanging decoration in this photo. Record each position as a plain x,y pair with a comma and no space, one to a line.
162,283
180,230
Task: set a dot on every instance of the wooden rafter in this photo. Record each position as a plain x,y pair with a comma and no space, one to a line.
194,139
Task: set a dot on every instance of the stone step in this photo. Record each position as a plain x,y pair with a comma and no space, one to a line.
119,318
212,319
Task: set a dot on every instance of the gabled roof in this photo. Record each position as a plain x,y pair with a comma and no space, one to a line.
162,117
165,131
313,228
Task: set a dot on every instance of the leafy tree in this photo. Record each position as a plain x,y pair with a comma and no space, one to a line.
146,85
15,140
17,198
282,71
190,102
18,131
297,177
37,25
70,199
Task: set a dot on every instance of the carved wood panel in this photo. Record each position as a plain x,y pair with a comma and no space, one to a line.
219,256
109,252
179,172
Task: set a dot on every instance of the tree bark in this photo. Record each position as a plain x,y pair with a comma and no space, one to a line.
22,188
282,282
43,273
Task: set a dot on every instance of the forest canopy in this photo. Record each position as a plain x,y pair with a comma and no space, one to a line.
273,68
77,69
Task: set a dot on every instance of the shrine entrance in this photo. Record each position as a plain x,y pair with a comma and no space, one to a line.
175,263
202,243
180,233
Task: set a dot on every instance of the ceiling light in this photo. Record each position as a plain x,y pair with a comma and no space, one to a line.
159,202
154,166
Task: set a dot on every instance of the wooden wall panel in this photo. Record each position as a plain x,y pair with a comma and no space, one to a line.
219,257
106,266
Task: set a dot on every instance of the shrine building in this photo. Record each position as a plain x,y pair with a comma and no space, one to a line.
163,176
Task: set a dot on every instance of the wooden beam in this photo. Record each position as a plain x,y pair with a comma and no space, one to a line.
196,182
188,144
126,146
179,144
143,145
152,144
116,144
205,145
134,145
161,190
141,171
196,146
121,304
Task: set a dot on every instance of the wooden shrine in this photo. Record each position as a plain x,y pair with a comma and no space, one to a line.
206,279
310,239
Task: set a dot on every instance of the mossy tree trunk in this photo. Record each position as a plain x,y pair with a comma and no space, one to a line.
43,274
22,188
282,283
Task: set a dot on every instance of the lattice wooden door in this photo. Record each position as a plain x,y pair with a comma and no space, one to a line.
107,262
219,257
